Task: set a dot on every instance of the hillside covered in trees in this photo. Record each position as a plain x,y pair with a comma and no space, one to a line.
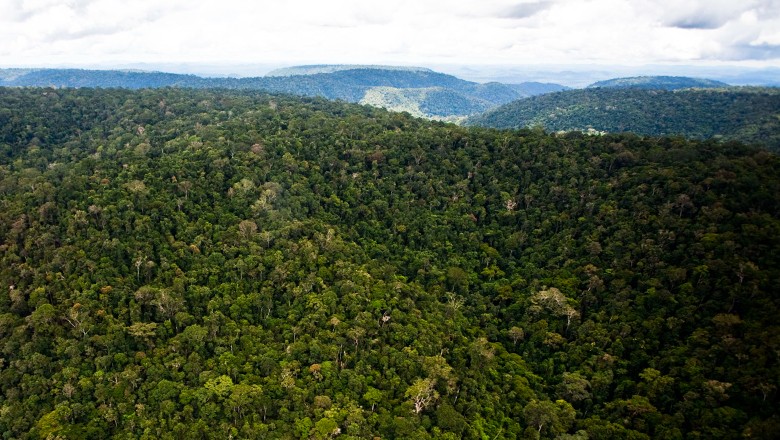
746,114
202,264
422,92
658,83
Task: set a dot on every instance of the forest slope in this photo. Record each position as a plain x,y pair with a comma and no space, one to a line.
198,264
658,83
750,115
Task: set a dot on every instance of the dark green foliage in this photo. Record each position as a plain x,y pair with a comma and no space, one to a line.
202,264
750,115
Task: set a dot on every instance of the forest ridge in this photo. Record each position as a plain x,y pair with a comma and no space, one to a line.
746,114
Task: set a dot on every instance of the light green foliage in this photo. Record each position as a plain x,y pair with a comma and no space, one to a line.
373,396
219,386
325,428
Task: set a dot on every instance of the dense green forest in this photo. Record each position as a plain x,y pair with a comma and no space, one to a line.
422,92
184,264
746,114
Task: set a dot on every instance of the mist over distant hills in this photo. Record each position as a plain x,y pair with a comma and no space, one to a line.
330,68
578,76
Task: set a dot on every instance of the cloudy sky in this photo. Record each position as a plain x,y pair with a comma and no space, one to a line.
421,32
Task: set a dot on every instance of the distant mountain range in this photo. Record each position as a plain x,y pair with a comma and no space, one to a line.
419,91
330,68
748,114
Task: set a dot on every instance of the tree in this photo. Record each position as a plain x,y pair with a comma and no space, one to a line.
574,387
243,397
138,189
325,428
555,418
53,422
220,386
373,396
422,394
515,334
248,228
555,302
142,330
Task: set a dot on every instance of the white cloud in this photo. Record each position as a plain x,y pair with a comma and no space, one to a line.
39,32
